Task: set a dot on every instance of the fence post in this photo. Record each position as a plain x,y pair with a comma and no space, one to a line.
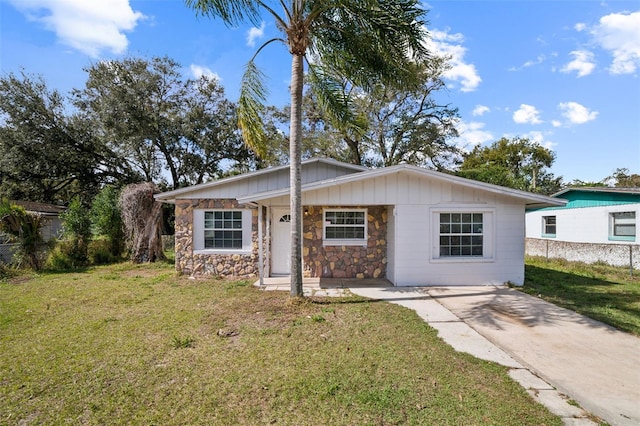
630,260
547,246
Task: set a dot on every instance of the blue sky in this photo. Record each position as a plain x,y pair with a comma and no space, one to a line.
563,73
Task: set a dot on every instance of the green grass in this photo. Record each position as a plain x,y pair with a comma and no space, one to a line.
126,344
601,292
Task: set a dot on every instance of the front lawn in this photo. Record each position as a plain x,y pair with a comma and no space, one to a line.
130,344
601,292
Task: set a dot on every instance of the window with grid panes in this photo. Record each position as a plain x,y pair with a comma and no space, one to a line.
345,224
461,234
223,229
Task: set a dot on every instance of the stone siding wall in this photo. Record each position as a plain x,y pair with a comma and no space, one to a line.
612,254
345,261
223,265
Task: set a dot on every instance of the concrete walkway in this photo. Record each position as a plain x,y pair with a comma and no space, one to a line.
551,351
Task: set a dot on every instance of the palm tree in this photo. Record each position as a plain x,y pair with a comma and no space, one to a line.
345,42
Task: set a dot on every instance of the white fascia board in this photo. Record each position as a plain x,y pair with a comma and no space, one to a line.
528,197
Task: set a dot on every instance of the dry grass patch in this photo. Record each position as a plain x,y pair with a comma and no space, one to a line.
112,346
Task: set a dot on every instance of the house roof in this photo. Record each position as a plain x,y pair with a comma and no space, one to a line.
600,196
170,196
42,208
599,189
531,200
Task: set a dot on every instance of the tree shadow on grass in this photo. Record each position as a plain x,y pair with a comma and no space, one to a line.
616,304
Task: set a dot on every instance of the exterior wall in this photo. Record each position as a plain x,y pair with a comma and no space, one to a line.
624,255
412,232
190,262
580,225
345,261
416,263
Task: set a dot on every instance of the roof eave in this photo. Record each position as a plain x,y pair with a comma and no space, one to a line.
171,196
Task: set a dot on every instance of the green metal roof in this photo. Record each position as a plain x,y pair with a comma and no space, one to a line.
579,198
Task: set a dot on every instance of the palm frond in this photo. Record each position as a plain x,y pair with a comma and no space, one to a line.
372,41
253,94
232,12
336,101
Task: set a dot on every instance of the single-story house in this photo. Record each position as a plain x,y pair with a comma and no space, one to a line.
50,230
51,212
407,224
596,224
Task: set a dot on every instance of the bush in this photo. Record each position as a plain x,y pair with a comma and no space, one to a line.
100,252
6,271
76,224
106,218
24,228
67,255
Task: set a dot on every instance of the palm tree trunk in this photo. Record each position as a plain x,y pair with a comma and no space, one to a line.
295,142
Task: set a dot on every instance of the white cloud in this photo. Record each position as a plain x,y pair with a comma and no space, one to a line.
480,110
579,27
583,63
88,26
527,114
556,123
540,59
576,113
200,70
619,33
255,33
472,134
444,44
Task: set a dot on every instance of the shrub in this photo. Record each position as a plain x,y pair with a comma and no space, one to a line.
76,225
24,228
106,219
100,252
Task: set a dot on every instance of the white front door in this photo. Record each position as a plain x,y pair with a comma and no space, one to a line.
281,242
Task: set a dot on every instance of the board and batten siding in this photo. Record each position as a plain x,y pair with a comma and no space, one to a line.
580,225
411,200
267,181
416,230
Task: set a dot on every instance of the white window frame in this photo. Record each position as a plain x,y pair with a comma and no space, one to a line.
488,235
199,232
347,241
546,234
631,220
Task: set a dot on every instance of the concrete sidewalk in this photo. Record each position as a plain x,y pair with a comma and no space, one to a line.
550,350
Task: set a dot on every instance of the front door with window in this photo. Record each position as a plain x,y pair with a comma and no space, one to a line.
281,242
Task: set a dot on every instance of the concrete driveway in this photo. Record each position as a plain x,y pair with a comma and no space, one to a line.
590,362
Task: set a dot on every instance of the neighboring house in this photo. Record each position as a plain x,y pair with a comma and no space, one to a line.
50,230
53,224
596,224
410,225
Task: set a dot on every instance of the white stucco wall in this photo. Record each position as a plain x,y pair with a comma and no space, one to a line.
583,225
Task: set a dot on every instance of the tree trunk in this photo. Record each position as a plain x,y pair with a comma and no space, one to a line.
295,135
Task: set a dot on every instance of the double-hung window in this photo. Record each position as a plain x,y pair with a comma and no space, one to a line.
222,230
622,226
345,227
461,234
548,226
